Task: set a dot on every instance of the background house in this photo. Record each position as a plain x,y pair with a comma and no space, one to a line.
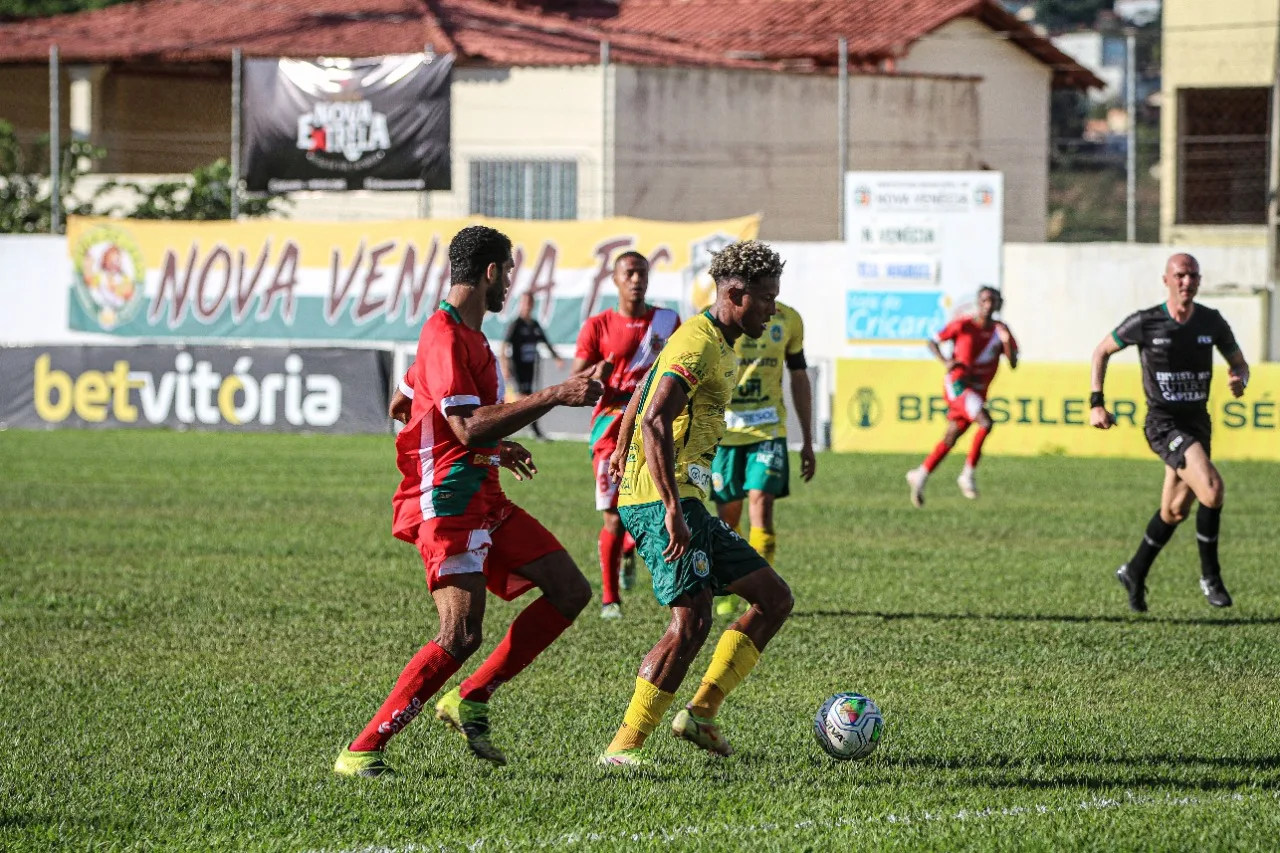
703,109
1219,64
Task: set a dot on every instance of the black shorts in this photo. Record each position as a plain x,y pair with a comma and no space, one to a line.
1171,435
525,380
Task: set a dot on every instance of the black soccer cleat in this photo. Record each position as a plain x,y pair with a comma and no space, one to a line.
1215,591
1137,589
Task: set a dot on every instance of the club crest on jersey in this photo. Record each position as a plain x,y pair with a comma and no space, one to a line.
775,332
1205,339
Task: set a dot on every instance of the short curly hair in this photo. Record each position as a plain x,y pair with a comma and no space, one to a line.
472,250
747,261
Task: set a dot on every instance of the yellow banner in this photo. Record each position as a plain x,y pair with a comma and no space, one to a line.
899,407
290,280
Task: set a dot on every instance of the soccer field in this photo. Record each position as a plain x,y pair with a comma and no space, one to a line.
194,624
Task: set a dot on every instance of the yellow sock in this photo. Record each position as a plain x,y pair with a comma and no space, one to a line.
764,543
648,705
735,656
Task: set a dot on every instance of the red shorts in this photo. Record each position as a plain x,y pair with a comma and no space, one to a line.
508,540
606,489
963,408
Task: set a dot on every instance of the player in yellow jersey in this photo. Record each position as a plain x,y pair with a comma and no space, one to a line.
692,555
752,460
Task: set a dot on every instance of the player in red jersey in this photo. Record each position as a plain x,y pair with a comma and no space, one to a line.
451,505
978,341
627,339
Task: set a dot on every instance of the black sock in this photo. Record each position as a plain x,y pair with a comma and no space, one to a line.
1157,536
1208,520
536,430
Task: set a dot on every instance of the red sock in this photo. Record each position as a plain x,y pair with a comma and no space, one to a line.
535,628
931,461
610,563
430,668
975,451
628,543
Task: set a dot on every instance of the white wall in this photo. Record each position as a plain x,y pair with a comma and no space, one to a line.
1014,104
1061,299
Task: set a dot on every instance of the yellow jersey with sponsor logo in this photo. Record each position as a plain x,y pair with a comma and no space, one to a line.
758,410
697,357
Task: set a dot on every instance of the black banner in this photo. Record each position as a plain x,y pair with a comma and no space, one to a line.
380,123
252,389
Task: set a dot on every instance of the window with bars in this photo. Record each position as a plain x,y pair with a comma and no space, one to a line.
525,189
1223,156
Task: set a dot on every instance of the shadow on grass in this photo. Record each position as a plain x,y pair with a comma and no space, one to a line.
1033,617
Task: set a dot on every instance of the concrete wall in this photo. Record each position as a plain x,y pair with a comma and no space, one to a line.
709,143
1061,299
1014,108
1209,45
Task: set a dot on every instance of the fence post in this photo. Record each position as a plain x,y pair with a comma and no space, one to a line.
55,143
605,121
1131,108
235,132
1271,322
842,131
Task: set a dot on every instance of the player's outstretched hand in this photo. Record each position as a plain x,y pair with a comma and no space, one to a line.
579,391
1101,418
808,462
1236,383
517,459
678,536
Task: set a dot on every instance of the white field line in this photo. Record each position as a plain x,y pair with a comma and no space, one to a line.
587,838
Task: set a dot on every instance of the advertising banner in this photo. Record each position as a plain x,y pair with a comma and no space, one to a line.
249,389
373,281
899,407
378,123
922,245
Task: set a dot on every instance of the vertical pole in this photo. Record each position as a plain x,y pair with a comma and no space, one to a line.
1131,110
55,143
842,131
1271,323
236,64
605,120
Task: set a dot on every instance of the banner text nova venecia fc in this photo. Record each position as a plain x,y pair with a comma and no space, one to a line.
371,281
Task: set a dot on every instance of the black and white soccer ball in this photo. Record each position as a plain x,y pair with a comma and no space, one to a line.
848,726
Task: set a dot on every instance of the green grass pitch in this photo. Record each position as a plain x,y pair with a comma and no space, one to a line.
192,625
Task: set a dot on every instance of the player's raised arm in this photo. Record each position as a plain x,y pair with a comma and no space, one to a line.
669,400
481,424
1098,414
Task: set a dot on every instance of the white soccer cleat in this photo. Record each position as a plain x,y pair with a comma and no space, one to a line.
968,484
916,478
612,610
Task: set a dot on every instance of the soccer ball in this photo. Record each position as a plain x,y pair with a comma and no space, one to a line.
848,725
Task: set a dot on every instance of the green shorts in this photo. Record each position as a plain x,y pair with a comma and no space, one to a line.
717,555
763,466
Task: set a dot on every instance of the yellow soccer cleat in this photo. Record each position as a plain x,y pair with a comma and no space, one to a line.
367,764
702,733
624,758
471,720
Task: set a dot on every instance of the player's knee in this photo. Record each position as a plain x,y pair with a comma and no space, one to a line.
985,422
461,639
612,524
1215,495
778,602
691,627
576,595
1173,514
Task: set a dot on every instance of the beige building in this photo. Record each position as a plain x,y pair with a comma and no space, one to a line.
1219,63
674,126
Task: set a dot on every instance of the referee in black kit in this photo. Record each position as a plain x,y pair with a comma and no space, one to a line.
520,352
1175,343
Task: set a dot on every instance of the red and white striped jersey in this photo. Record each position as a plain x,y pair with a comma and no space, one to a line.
442,477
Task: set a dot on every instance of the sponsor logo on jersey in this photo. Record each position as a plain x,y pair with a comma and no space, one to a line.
685,373
1176,443
1205,339
1160,342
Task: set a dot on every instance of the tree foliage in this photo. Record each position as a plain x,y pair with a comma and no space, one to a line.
26,193
205,195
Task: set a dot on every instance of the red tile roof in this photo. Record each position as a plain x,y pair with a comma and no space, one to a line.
733,33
